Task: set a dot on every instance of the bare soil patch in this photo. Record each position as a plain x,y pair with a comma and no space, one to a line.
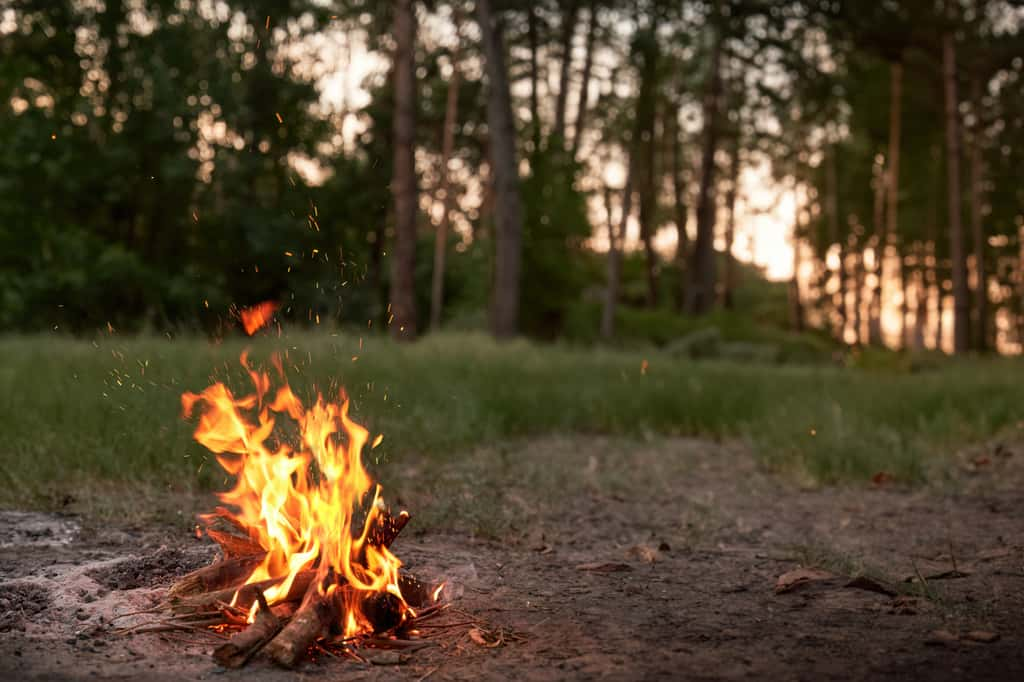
608,558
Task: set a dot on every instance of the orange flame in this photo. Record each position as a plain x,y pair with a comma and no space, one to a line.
256,317
308,502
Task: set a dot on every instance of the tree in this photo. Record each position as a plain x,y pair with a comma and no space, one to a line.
961,295
508,217
403,184
447,149
700,295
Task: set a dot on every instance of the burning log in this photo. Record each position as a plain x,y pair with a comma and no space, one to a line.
310,622
243,645
228,573
232,545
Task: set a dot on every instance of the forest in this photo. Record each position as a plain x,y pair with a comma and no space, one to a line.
588,170
682,338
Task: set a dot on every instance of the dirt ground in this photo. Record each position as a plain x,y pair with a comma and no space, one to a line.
623,560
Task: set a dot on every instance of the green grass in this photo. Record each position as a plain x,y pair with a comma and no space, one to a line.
78,416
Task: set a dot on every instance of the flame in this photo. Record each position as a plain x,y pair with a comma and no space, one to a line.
256,317
307,500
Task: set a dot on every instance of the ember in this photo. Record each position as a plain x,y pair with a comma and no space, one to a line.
307,556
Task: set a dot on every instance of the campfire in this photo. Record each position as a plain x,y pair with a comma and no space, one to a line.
305,533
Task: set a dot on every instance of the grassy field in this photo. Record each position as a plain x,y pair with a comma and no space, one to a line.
80,416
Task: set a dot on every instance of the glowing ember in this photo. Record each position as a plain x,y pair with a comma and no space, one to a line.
306,500
256,317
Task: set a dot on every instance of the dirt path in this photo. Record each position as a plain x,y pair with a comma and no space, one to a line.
611,559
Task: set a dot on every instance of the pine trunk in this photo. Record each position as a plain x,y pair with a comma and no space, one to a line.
729,285
588,65
403,184
700,296
978,226
679,203
836,237
561,101
961,296
611,294
534,41
441,239
875,302
508,217
892,192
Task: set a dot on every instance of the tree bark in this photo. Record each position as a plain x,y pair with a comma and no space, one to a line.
679,196
875,302
729,285
534,41
892,193
441,239
561,101
403,184
644,150
614,265
961,297
796,307
701,292
858,294
588,65
977,224
835,235
508,218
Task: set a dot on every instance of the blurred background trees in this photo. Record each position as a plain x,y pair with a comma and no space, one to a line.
787,177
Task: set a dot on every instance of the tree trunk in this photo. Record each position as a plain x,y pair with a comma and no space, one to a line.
701,292
977,225
904,297
729,285
568,31
835,235
403,183
920,297
611,293
796,306
447,148
588,65
858,294
961,296
892,193
508,218
534,41
679,196
875,303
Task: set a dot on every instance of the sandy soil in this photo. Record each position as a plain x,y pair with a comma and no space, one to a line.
655,560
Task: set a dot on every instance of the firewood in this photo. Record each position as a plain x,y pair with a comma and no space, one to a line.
233,545
246,594
310,622
387,528
220,575
243,645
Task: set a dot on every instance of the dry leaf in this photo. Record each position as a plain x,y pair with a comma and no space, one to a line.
862,582
982,636
604,567
644,553
997,553
484,638
942,638
791,580
881,478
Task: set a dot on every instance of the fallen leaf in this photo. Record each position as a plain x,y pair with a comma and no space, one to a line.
863,582
484,638
644,553
982,636
791,580
996,553
981,461
942,638
604,567
944,575
881,478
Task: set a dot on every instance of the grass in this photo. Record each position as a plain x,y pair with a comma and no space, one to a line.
80,416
